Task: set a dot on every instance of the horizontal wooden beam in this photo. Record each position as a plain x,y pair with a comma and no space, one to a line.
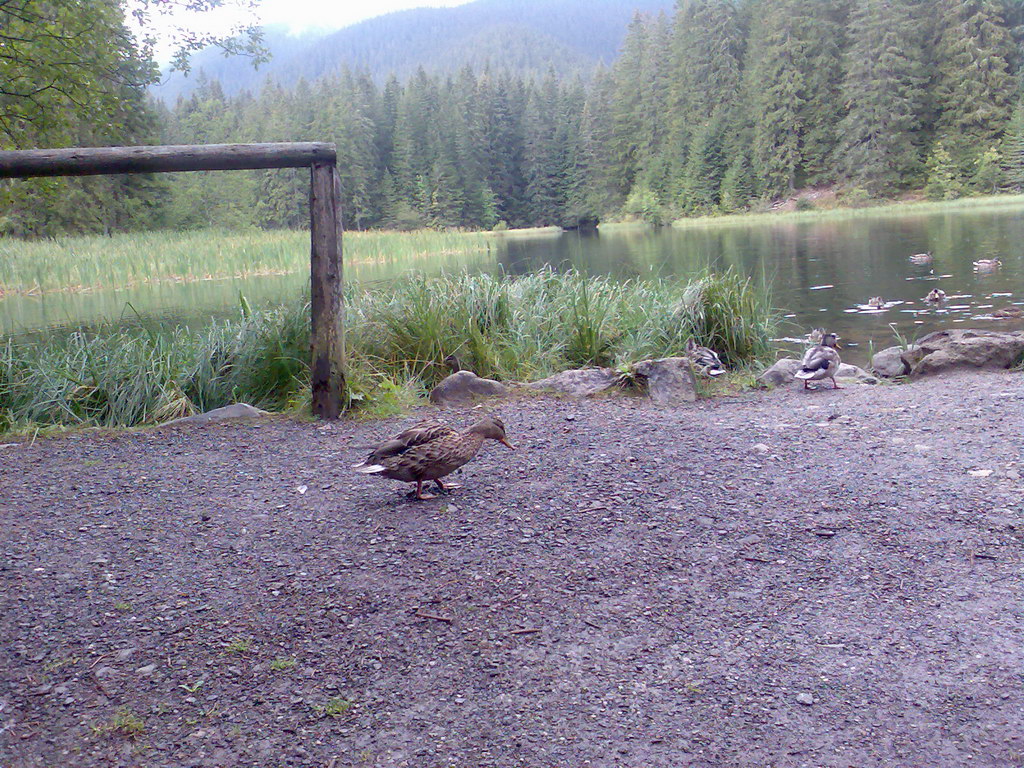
186,157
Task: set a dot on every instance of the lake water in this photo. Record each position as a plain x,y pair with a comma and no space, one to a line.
822,272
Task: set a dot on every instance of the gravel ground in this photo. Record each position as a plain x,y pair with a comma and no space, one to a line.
830,578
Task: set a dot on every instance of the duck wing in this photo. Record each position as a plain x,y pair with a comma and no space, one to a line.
819,360
423,433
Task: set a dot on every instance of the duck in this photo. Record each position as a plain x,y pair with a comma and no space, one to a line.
704,359
987,265
921,258
935,295
821,361
814,337
429,451
876,302
1007,313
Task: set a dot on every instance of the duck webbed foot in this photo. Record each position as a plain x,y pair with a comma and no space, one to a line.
419,494
445,487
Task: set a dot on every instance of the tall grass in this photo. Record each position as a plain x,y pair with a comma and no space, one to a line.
128,260
397,336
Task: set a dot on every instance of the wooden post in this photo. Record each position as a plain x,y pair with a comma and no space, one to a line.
327,331
327,339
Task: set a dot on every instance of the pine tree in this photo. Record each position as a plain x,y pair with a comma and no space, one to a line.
792,81
706,63
884,89
976,86
1013,150
945,181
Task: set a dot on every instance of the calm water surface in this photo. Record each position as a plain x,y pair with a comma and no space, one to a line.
821,273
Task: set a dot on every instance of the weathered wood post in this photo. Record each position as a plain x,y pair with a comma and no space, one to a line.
327,339
327,330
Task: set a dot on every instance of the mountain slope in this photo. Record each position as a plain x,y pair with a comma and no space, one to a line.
523,36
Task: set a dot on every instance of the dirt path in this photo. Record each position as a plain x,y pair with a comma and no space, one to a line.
785,579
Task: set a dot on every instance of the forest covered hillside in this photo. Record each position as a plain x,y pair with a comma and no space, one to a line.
528,38
720,106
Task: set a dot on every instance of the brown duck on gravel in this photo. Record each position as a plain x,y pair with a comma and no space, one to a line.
429,451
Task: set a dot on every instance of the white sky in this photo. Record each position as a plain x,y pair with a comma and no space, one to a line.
296,15
304,14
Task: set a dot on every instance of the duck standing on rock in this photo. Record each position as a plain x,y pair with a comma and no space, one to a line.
821,361
429,451
935,295
876,302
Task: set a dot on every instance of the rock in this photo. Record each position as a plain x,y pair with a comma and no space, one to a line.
804,698
146,671
761,448
780,374
236,411
581,382
889,362
784,372
964,349
466,386
858,374
669,380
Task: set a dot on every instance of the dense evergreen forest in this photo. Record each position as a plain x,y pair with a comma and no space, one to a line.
726,105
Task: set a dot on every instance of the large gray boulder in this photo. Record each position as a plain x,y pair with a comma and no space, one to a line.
669,380
581,382
228,412
784,372
890,363
964,349
465,387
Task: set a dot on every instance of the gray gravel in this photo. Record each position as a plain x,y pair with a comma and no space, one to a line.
781,579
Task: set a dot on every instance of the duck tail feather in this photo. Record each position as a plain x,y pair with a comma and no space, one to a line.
368,469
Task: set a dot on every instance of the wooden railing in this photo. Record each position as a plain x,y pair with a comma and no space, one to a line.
327,338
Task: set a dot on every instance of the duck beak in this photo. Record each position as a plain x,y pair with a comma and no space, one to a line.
507,444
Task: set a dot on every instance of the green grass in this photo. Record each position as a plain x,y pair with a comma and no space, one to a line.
335,707
86,264
124,722
398,337
282,664
840,213
239,645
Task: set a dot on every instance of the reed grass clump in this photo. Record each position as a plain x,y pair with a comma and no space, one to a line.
401,338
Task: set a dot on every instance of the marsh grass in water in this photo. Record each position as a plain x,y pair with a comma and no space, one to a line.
398,338
81,264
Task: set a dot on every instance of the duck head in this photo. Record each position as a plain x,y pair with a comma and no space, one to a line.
492,428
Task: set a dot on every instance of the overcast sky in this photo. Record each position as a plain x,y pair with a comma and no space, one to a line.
296,15
303,14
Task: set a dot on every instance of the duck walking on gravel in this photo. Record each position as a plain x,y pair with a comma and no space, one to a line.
429,451
821,361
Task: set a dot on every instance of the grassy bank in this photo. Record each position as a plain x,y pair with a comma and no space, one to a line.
398,338
128,260
837,214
